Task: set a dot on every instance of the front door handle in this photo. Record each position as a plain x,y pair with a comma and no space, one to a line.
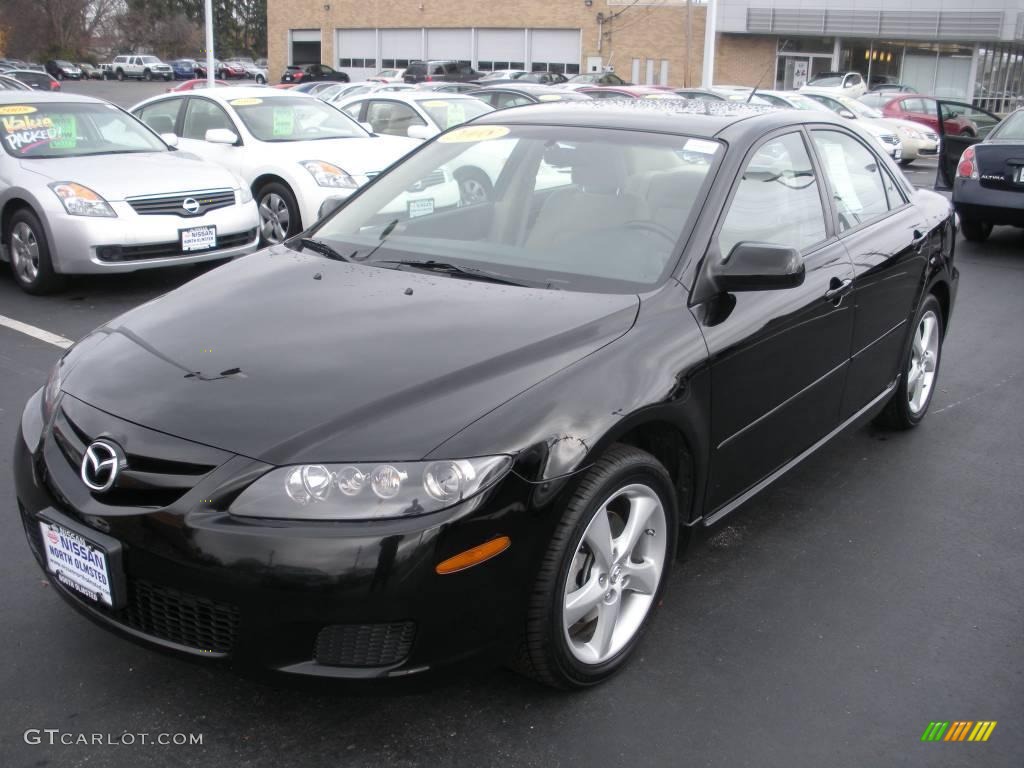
838,288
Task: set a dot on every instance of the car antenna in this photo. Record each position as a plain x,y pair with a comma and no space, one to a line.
763,75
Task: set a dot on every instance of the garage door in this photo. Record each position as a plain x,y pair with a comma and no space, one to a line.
304,46
400,46
454,44
357,53
500,49
557,50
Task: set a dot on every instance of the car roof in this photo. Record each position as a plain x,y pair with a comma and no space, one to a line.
39,97
676,116
638,90
414,95
514,85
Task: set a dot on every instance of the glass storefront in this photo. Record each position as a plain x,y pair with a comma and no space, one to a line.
800,59
999,78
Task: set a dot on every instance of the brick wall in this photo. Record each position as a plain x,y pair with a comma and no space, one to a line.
639,31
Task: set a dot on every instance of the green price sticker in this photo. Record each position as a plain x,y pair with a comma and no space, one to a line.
284,121
456,114
64,132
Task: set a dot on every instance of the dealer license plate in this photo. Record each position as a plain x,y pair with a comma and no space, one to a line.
423,207
1019,178
198,239
77,563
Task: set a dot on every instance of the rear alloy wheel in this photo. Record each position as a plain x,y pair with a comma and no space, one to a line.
120,75
30,254
603,573
974,230
914,391
279,213
474,187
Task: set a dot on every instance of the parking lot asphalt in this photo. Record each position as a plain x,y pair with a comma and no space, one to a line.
873,590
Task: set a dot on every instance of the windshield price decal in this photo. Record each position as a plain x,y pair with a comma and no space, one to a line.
474,133
456,115
246,102
284,121
25,133
17,109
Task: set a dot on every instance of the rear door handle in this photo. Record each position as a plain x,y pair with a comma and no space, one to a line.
838,288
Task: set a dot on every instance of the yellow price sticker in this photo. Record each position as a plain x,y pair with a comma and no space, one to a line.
550,97
435,104
17,109
472,133
250,102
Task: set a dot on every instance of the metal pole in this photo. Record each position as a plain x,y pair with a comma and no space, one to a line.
209,43
708,74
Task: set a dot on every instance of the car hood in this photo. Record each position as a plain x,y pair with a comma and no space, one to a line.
290,357
896,123
356,155
115,177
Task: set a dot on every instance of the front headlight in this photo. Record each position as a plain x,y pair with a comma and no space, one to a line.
328,175
51,392
81,201
244,193
910,133
368,491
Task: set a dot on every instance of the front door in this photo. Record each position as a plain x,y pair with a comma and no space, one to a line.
779,358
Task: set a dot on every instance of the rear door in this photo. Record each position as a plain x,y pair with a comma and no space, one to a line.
887,238
779,357
962,126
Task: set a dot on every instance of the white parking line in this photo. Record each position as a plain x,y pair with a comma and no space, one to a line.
35,333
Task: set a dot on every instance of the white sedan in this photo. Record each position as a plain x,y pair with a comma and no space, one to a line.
293,150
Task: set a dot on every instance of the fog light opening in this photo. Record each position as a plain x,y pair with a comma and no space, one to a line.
474,556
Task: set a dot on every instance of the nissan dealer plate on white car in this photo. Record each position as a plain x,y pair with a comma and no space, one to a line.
198,239
78,564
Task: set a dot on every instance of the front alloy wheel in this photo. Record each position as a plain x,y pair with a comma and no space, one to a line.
279,214
603,572
30,254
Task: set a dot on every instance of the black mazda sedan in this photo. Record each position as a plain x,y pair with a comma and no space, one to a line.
419,433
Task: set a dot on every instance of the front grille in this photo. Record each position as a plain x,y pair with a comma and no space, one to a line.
431,180
890,138
174,205
364,645
178,617
147,481
116,253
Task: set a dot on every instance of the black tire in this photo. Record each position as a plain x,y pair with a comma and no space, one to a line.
120,75
974,230
544,654
46,280
897,413
905,163
294,218
261,80
147,75
474,186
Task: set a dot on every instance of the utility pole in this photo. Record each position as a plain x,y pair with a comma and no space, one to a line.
209,43
708,75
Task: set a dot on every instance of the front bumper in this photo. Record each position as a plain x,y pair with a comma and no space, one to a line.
130,242
349,600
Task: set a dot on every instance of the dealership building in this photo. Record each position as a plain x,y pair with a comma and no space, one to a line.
963,49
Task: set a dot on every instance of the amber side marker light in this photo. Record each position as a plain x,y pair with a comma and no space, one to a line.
474,556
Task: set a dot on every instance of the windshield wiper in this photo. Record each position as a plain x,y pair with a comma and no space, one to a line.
446,268
321,247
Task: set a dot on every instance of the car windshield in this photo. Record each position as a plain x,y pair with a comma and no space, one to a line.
574,208
64,63
294,118
827,80
858,108
447,113
802,102
59,129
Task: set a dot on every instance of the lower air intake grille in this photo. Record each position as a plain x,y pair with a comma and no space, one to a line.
180,618
365,645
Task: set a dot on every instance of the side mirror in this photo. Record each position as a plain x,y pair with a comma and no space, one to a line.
847,114
759,267
368,127
329,206
419,132
170,139
221,136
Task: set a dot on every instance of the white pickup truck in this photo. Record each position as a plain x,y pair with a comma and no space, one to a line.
141,68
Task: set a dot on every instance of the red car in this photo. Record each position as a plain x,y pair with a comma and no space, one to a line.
959,119
229,69
191,85
625,91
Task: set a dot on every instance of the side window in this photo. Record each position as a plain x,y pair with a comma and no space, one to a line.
777,200
913,105
392,118
488,98
855,178
892,192
162,117
353,110
201,116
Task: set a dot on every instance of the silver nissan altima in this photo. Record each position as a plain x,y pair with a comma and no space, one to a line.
87,188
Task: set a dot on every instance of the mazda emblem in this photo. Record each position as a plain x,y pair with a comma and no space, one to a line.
101,464
190,205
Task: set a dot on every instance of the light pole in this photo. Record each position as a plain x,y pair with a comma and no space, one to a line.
708,73
209,43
